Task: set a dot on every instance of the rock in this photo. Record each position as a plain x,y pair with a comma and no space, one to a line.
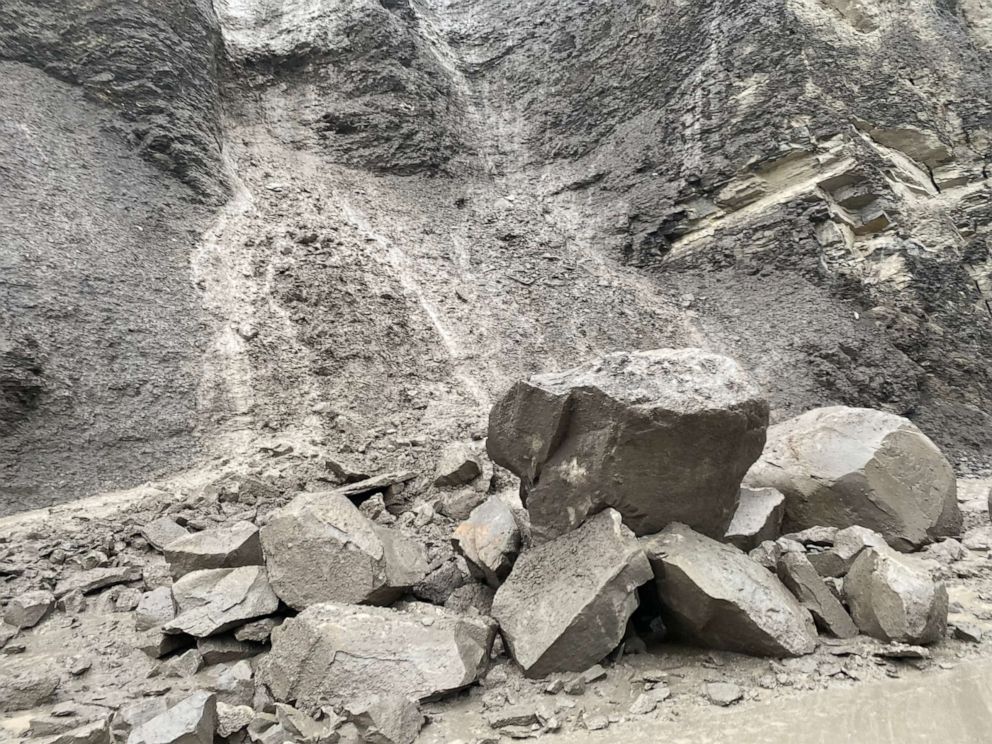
185,664
26,689
458,465
386,719
233,683
843,466
257,631
233,718
460,504
471,598
7,633
94,732
155,609
320,548
758,518
131,715
947,551
192,721
156,644
893,599
723,693
595,722
847,545
231,546
818,536
347,652
964,630
489,540
799,576
162,531
566,603
766,554
28,609
714,594
302,727
220,649
86,582
660,436
219,599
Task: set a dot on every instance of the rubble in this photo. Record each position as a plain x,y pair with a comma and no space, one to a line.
856,466
758,518
848,543
566,602
660,436
892,598
346,652
386,719
192,721
799,577
231,546
458,465
28,609
321,548
716,595
219,599
489,540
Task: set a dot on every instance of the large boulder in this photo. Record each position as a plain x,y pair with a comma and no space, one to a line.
230,546
717,596
566,603
660,436
321,548
893,598
843,466
342,653
219,599
489,540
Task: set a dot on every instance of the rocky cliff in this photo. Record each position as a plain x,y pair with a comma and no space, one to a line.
355,222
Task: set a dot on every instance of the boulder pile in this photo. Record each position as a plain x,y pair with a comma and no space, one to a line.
332,619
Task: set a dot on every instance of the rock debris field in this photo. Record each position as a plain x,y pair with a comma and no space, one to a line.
630,539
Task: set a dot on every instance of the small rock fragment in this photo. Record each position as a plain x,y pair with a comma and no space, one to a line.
155,609
231,546
723,693
847,545
758,517
233,718
28,609
458,465
489,540
258,630
162,531
185,664
799,576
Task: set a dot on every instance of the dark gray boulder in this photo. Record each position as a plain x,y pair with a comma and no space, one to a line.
660,436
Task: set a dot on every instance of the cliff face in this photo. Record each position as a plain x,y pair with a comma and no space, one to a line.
357,221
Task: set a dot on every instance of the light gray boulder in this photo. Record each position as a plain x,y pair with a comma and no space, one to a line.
321,548
893,598
219,599
230,546
799,576
717,596
458,465
192,721
489,540
566,602
341,653
660,436
758,518
28,609
842,466
848,543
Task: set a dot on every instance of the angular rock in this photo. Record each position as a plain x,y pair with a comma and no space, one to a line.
185,664
231,546
26,689
892,598
458,465
799,576
489,540
156,644
233,718
471,598
155,609
89,581
28,609
94,732
233,683
162,531
302,727
218,599
321,548
441,582
758,518
221,649
131,715
258,630
566,603
842,466
813,536
723,693
333,652
717,596
848,543
386,719
459,504
192,721
660,436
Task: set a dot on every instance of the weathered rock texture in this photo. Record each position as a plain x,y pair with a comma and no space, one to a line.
758,518
854,466
717,596
799,576
230,546
660,436
429,203
566,603
321,548
215,600
345,653
489,540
